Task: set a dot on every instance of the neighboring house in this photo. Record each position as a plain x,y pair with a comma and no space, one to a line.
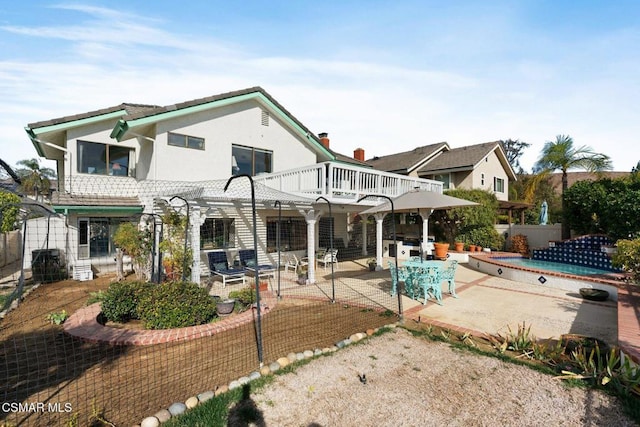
131,159
483,166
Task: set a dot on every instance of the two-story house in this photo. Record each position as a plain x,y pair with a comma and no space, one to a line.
483,166
129,160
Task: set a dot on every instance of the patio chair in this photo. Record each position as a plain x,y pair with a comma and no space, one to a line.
219,265
448,274
293,262
401,276
330,256
248,261
429,281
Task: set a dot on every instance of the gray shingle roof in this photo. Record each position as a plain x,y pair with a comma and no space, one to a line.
129,108
459,158
404,162
64,199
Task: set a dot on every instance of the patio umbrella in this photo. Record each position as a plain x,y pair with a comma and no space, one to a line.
420,200
544,214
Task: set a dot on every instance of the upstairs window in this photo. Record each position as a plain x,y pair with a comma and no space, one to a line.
179,140
445,178
250,161
103,159
498,185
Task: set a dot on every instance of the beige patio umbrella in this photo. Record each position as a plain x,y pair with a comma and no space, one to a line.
422,201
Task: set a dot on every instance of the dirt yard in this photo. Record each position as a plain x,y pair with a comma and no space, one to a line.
414,382
409,381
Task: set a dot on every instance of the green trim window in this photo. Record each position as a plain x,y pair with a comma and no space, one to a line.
498,185
179,140
103,159
250,161
293,234
218,233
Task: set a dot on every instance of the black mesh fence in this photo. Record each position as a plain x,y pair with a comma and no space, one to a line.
86,368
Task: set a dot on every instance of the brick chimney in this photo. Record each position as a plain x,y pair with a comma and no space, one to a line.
324,138
358,154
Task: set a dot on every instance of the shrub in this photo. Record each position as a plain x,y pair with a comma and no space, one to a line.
487,237
520,244
245,295
628,257
120,302
175,305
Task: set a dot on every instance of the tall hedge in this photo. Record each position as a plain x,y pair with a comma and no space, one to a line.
607,206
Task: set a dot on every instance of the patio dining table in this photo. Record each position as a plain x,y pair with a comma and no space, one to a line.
424,276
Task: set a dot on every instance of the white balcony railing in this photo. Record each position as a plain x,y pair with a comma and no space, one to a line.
344,183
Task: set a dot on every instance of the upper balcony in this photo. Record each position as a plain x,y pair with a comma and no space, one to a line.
343,183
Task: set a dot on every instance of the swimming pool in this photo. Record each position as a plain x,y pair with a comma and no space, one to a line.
546,274
537,264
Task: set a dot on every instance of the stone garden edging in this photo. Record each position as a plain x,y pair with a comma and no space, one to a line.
179,408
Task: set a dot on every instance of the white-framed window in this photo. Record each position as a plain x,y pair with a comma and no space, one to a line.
180,140
104,159
95,236
218,233
250,161
498,185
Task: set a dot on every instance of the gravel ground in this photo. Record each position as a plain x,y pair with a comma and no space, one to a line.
415,382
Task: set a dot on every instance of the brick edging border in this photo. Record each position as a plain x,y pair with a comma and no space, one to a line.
84,324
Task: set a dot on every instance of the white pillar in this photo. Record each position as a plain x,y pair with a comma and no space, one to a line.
311,217
195,221
379,217
425,231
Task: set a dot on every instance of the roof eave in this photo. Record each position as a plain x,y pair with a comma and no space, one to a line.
121,131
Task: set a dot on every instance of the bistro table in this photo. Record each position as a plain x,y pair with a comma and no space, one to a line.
424,274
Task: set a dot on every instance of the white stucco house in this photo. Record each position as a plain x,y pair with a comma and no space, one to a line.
120,162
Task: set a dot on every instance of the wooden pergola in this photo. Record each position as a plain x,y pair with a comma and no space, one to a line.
514,207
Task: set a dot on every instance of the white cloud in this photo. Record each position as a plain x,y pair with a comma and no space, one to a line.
381,106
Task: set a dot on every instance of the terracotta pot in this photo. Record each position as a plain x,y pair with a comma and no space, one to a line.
478,248
472,248
459,246
441,250
264,286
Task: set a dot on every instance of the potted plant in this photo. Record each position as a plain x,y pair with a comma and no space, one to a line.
472,248
264,286
441,250
459,246
372,263
301,271
225,307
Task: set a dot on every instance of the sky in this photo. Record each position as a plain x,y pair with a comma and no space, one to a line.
385,76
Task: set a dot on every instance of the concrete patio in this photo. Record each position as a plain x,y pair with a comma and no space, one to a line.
485,304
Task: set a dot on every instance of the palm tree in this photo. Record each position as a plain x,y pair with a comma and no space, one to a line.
562,155
35,179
